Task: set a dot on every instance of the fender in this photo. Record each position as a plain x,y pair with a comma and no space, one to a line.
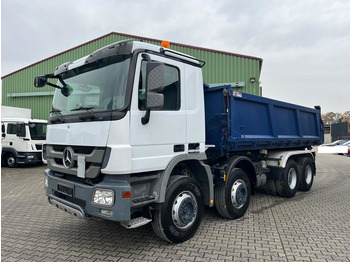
10,150
200,167
244,163
283,156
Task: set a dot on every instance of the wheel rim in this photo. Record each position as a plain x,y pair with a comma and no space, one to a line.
184,210
308,174
292,178
239,193
11,161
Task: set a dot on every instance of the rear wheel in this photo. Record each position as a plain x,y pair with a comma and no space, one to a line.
11,160
306,174
178,218
287,183
232,198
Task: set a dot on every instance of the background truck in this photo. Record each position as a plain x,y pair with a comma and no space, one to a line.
22,137
135,137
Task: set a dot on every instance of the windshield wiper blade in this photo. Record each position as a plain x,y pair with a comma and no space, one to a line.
57,117
58,111
87,108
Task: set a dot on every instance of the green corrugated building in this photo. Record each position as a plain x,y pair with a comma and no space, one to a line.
221,67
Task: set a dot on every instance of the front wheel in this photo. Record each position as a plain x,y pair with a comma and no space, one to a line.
178,218
11,160
232,198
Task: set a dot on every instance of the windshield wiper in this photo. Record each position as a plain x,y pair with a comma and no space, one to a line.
39,138
89,110
57,111
57,118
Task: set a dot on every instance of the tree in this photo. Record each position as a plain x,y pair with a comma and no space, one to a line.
331,117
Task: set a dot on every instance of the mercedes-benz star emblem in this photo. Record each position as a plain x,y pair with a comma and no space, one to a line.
68,157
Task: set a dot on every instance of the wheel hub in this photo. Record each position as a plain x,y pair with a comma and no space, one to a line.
308,174
11,161
239,193
184,210
292,178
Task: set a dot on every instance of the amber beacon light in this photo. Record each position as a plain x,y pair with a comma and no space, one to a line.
165,44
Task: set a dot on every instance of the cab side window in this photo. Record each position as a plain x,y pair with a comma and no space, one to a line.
171,90
12,130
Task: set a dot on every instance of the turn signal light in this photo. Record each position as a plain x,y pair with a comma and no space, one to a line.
126,194
165,44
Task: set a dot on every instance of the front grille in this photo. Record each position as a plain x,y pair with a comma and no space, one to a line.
93,159
85,150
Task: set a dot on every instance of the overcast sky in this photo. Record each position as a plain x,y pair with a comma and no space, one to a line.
305,44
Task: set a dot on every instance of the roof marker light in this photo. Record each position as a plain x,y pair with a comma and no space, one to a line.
165,44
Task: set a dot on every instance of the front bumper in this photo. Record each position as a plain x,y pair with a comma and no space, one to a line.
76,197
28,158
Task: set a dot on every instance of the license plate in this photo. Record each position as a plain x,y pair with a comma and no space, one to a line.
68,191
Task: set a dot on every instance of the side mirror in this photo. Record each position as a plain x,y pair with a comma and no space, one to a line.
66,90
19,128
154,87
40,81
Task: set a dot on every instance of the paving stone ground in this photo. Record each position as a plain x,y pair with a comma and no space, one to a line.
312,226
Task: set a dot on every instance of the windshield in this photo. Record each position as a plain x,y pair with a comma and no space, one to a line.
37,131
97,86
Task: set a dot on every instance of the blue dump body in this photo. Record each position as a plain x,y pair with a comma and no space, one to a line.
237,121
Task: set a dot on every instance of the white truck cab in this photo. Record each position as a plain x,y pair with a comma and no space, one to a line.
122,120
22,140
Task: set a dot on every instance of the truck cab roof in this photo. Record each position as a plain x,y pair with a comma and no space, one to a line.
125,47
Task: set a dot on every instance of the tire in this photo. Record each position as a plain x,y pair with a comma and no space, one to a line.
11,160
287,183
178,218
306,174
232,199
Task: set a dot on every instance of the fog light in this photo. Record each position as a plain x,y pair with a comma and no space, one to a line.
106,212
103,197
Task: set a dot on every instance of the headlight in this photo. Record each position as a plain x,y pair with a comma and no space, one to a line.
46,182
103,197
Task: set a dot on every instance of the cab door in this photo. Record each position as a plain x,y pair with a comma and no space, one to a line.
16,136
154,144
